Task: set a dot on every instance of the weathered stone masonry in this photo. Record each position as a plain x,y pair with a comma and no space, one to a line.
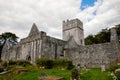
95,55
39,45
36,45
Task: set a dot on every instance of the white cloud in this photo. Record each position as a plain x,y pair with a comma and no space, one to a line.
107,15
17,16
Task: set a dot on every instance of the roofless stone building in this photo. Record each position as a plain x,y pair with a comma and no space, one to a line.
38,45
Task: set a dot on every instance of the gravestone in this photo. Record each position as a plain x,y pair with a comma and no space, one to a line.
102,68
78,67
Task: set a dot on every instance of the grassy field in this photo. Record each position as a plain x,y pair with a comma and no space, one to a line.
95,74
33,74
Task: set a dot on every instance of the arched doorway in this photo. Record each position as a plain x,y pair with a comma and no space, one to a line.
28,58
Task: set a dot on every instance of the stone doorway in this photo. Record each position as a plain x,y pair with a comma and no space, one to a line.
28,58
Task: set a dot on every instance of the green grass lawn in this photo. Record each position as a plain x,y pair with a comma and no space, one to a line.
95,74
33,74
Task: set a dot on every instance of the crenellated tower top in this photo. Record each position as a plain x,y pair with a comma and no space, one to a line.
73,28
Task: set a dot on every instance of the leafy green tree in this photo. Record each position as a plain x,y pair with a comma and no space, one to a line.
90,40
102,37
7,35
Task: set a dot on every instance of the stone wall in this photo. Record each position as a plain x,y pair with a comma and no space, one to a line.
94,55
12,53
40,45
52,48
36,45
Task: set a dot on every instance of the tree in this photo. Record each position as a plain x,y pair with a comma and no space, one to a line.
90,40
7,35
102,37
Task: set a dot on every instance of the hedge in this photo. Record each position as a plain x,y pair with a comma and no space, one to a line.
44,62
57,63
17,62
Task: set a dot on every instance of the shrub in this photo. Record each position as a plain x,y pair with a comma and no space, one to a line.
112,68
4,64
116,70
23,63
1,69
46,63
70,65
75,74
49,64
58,63
63,63
19,62
12,62
117,74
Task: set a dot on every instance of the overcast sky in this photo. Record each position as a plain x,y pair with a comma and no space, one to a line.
17,16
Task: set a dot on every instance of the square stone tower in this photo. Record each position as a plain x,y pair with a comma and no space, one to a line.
73,29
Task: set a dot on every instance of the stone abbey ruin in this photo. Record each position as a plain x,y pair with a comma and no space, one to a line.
39,45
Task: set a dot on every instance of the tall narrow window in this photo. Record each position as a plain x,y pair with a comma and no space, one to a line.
55,51
81,41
